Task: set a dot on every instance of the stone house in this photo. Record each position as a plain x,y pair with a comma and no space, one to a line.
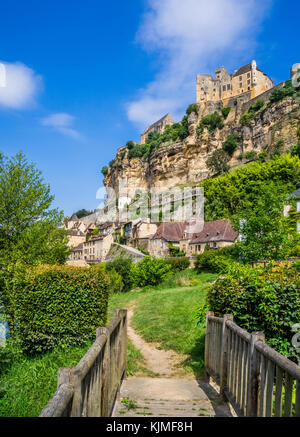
158,126
142,232
216,234
107,228
96,248
166,234
248,81
75,237
77,253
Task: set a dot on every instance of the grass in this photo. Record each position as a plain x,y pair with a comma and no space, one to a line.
166,314
163,314
28,383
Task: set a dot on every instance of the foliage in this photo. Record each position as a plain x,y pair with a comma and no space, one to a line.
116,281
104,170
175,251
29,229
225,112
178,264
247,117
280,93
211,122
265,232
217,162
58,306
150,271
173,133
122,266
130,145
215,261
83,213
193,108
296,149
260,300
231,144
230,192
251,155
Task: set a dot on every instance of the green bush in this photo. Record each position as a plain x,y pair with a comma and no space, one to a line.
251,156
263,300
215,261
225,112
58,305
175,251
211,122
193,108
122,266
259,104
247,118
104,170
178,264
283,92
150,271
231,144
217,162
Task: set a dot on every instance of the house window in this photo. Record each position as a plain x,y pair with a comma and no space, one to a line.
228,87
224,88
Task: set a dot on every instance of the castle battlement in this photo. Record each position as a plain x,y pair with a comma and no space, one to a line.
248,81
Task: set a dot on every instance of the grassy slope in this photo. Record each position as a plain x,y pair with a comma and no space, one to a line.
163,314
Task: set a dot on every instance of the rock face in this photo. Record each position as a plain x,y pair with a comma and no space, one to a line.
185,162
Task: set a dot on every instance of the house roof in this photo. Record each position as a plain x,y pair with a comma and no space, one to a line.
106,225
219,230
296,193
75,233
78,248
170,231
243,70
74,218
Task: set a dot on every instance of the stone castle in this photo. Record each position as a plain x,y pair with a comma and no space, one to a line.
246,83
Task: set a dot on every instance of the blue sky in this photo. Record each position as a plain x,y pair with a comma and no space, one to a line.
84,77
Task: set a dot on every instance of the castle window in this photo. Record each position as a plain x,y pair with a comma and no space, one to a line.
248,75
248,88
228,87
224,88
248,81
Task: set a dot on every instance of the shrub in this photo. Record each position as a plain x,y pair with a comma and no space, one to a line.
122,266
215,261
211,122
280,93
130,145
260,300
193,108
259,104
225,112
247,118
104,170
251,156
231,144
217,162
175,251
59,305
178,264
150,271
116,282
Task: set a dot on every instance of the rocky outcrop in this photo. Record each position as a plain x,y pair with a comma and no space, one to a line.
185,162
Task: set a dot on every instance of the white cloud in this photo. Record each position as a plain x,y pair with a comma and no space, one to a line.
191,36
62,123
19,85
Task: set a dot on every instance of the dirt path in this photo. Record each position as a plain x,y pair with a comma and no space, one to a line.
167,364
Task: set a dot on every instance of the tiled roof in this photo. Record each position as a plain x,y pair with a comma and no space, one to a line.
172,231
75,233
219,230
243,70
106,225
78,248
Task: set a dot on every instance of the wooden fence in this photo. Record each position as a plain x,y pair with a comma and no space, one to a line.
257,380
90,389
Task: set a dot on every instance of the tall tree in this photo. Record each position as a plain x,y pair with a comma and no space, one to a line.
29,228
265,231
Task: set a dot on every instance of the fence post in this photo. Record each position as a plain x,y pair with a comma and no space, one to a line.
254,376
207,345
105,372
224,361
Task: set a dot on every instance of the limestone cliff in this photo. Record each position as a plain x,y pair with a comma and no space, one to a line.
185,162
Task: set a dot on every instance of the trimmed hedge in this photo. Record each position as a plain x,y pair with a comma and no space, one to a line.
266,300
178,264
59,306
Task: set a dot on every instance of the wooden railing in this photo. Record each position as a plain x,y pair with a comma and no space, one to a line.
90,389
257,380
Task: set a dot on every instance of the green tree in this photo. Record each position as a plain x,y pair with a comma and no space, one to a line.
218,161
83,213
264,231
29,229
